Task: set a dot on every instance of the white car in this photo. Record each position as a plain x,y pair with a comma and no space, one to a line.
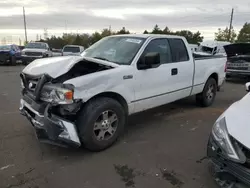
72,50
35,50
208,48
86,99
229,145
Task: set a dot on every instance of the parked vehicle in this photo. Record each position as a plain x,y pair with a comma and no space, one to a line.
9,54
194,47
229,145
35,50
21,47
85,100
72,50
212,48
56,52
238,64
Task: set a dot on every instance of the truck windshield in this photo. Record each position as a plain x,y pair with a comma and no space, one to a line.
72,49
36,45
119,49
5,47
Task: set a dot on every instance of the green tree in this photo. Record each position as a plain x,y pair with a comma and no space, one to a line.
156,30
244,34
222,35
106,32
95,37
166,31
145,32
123,31
86,40
69,38
192,38
78,40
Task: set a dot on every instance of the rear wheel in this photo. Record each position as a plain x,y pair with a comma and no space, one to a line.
100,123
206,98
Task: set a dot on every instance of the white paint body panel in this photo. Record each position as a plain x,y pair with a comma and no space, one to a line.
237,120
146,89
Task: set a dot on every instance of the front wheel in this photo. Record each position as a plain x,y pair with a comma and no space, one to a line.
206,98
100,123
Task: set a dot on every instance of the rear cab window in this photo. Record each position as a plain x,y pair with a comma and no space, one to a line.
178,50
73,49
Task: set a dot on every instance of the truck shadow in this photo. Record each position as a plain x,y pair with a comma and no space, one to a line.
238,80
142,119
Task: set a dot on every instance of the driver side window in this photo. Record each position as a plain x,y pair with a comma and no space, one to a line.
160,46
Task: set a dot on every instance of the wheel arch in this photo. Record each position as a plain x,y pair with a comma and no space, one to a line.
119,98
214,76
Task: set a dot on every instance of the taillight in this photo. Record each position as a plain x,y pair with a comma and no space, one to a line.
225,70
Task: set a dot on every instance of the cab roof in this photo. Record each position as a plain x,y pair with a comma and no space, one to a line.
148,36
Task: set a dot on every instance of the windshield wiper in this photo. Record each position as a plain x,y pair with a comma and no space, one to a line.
102,58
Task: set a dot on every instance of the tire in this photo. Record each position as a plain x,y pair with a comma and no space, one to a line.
206,98
24,62
13,60
91,119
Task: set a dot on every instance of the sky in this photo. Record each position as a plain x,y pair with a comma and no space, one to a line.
87,16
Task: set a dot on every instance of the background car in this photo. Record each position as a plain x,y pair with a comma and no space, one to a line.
228,146
9,54
72,50
35,50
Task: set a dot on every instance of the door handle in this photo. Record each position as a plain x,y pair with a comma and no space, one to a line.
174,71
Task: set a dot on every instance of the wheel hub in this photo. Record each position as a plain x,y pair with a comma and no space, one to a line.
106,124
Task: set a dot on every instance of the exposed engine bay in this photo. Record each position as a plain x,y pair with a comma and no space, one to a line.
81,68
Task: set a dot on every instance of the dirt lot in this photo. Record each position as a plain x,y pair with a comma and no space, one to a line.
164,147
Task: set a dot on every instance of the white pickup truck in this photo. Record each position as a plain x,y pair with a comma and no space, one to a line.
85,100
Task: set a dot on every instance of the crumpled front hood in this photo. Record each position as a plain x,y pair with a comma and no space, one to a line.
57,66
238,120
34,50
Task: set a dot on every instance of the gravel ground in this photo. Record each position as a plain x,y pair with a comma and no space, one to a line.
163,147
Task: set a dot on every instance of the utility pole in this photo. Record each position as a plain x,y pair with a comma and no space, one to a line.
110,29
45,34
230,26
24,20
66,27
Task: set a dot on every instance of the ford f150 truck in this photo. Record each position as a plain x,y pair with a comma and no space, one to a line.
85,100
35,50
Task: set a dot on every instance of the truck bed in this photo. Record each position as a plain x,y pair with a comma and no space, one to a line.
215,64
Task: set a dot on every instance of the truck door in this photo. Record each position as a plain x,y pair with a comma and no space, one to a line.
181,61
170,81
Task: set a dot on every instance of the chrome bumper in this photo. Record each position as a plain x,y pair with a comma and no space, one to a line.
49,127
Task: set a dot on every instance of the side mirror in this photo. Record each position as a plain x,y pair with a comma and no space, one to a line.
247,86
150,60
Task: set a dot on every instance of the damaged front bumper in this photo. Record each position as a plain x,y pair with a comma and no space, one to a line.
49,127
225,169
